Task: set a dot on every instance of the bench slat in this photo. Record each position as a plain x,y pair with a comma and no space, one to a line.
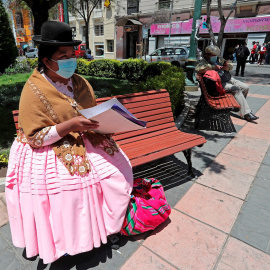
162,153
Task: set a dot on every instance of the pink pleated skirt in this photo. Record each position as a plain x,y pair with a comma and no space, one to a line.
52,213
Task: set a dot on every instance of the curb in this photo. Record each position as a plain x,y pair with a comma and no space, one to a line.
2,184
183,115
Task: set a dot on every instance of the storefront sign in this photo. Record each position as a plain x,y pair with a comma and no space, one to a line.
257,24
131,28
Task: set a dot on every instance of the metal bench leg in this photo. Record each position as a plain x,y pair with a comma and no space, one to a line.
187,154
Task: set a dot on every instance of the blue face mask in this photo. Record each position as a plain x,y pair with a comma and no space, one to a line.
66,67
213,59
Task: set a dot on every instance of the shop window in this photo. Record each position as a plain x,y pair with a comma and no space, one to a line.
164,4
110,45
19,19
99,30
132,6
99,49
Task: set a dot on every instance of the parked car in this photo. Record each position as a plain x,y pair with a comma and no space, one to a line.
32,53
177,56
80,50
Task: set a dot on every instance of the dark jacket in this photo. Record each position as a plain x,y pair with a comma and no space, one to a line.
246,52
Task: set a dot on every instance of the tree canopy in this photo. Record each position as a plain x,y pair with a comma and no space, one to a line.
8,49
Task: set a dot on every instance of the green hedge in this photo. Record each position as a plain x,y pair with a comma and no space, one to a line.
32,62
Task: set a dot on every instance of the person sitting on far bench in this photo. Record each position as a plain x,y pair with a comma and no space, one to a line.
223,67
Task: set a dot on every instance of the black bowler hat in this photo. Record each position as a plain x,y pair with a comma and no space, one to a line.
56,34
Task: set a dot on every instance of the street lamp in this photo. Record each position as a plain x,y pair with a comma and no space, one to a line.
65,4
190,80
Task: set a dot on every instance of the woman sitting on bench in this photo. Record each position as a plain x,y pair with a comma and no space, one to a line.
223,67
67,187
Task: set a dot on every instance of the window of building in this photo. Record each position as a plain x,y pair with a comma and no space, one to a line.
164,4
99,49
19,19
110,45
84,33
74,33
99,4
99,30
132,6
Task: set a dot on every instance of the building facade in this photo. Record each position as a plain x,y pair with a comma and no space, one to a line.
101,30
23,25
250,21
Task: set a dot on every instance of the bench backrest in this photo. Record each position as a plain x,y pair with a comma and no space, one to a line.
219,103
151,106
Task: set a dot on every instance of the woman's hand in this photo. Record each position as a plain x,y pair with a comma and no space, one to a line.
76,124
80,123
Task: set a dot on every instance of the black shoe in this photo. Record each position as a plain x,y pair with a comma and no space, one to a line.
236,74
243,75
254,116
250,117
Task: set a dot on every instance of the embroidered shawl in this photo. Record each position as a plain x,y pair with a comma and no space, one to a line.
42,106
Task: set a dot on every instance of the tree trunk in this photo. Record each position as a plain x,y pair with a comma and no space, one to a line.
87,34
209,24
40,14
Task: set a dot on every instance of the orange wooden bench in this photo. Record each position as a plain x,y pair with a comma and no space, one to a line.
161,137
214,112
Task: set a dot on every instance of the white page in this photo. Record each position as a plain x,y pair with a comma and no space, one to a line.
90,112
111,121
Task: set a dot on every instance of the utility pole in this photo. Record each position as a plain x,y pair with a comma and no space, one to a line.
170,21
65,4
192,59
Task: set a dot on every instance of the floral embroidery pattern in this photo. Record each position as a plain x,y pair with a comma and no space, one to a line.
74,163
37,140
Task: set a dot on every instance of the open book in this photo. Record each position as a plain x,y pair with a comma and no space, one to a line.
113,117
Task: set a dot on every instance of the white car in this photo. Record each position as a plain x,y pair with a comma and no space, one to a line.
32,53
177,56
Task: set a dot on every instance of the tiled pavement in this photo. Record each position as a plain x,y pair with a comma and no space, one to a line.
219,221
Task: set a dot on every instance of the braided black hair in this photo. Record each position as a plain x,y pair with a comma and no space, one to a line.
45,51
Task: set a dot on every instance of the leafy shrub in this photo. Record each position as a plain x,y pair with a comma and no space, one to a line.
21,66
32,62
172,79
4,158
154,69
132,69
104,68
83,66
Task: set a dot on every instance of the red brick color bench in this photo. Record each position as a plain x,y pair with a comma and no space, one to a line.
161,137
213,113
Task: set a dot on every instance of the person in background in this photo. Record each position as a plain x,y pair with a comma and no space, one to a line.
223,67
267,56
87,55
257,51
234,52
252,55
241,56
262,54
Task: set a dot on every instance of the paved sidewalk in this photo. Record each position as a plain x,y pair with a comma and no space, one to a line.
219,221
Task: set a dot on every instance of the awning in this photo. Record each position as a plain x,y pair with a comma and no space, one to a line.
135,22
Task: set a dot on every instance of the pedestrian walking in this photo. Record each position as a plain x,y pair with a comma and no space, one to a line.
267,56
257,51
262,54
252,54
241,56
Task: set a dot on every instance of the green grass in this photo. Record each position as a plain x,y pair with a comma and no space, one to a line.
12,79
